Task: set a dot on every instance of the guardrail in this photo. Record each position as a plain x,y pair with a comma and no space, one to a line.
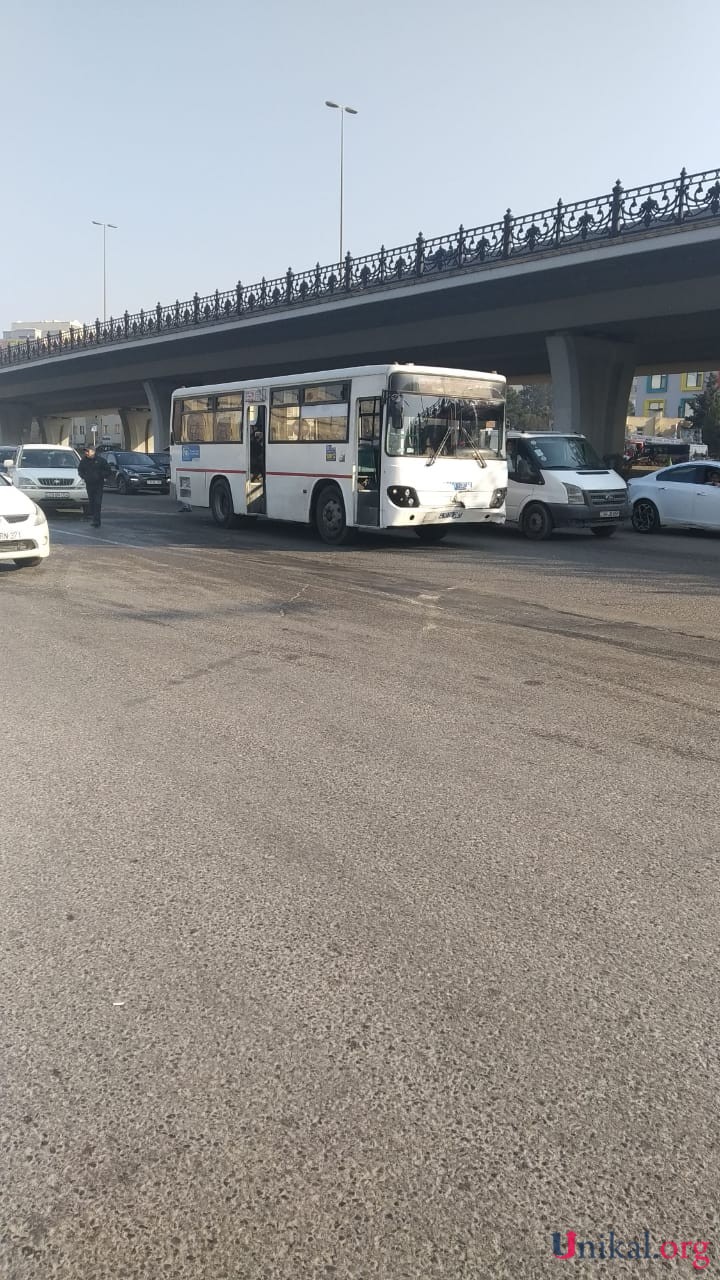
683,201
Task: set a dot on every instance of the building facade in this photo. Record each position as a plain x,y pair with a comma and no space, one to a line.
666,395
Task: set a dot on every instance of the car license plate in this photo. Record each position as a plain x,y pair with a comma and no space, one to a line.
609,515
8,537
450,515
153,482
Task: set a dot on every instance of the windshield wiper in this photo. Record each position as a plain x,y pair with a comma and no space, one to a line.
436,452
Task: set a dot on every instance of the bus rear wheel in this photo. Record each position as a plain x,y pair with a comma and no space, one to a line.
432,532
221,504
330,519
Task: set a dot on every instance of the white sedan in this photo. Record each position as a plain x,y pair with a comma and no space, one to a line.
687,495
24,535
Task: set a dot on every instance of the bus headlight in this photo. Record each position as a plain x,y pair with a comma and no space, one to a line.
401,496
498,497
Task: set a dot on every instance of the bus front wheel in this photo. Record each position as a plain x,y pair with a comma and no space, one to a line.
330,519
221,504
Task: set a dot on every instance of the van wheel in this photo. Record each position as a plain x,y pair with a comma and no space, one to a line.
330,519
603,531
221,504
536,522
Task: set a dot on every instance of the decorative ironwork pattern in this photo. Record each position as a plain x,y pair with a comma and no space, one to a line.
683,201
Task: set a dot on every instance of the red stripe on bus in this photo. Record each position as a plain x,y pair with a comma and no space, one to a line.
312,475
228,471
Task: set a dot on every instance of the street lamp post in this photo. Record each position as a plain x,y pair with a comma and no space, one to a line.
104,226
338,106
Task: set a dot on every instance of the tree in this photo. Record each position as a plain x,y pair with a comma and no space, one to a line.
706,413
529,408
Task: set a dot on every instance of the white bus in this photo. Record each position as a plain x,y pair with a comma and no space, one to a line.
381,447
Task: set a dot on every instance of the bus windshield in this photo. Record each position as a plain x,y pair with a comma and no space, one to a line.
441,416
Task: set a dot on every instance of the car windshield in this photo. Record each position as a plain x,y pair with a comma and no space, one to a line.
40,459
440,416
565,453
134,460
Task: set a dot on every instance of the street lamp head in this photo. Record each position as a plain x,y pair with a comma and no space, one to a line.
96,224
339,106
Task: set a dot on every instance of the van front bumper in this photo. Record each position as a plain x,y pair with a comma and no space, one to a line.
565,516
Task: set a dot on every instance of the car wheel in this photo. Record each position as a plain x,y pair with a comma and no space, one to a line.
432,532
330,519
221,504
31,563
645,516
603,531
536,522
122,484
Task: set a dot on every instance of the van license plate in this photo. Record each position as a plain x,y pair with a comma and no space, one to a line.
609,515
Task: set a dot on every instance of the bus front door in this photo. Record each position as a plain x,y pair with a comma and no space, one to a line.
255,487
368,461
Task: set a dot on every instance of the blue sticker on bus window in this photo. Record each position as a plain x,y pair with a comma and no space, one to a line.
330,453
190,451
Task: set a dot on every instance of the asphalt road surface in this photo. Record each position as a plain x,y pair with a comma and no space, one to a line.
358,907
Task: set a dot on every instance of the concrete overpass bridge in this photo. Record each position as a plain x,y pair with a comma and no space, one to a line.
584,293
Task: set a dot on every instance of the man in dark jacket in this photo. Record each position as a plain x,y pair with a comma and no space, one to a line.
93,470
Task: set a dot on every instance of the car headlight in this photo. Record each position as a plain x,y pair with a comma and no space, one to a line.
26,482
78,483
39,517
576,497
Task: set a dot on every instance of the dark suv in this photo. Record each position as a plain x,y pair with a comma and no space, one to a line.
162,460
134,472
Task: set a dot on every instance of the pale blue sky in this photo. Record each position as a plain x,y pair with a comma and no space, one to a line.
199,127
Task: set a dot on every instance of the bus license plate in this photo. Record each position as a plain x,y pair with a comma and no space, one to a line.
609,515
450,515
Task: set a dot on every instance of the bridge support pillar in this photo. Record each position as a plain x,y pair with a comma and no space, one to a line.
137,429
55,429
591,379
15,423
158,396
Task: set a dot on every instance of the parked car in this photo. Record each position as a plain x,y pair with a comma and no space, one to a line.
557,481
24,535
687,495
162,460
49,475
135,473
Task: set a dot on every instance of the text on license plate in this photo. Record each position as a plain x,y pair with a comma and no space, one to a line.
153,482
8,537
609,515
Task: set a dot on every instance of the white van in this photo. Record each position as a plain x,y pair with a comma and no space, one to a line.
557,481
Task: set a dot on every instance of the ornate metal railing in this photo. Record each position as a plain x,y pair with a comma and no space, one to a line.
683,201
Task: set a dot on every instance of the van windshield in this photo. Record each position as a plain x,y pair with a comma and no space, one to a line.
565,453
